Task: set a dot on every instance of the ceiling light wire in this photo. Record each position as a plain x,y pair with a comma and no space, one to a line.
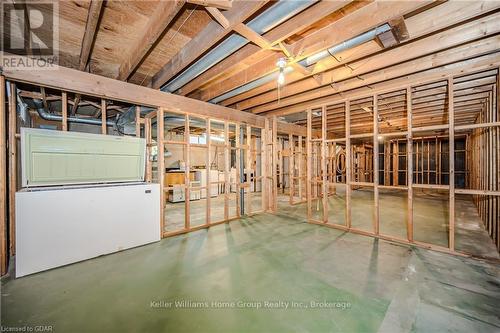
173,36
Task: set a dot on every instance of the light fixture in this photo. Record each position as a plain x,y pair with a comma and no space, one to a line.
281,76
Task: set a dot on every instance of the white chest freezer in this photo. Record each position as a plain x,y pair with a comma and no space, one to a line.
56,226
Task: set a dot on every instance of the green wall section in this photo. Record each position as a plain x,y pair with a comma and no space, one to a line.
61,158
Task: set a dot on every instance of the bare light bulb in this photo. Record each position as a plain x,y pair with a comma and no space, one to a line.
281,78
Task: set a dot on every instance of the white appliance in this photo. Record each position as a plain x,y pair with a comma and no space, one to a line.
60,226
84,196
201,176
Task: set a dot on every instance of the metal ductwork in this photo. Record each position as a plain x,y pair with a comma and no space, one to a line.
275,15
311,60
44,114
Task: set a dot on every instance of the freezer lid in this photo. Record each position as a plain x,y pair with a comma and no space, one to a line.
50,157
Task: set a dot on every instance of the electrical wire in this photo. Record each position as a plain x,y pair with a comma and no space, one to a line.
173,36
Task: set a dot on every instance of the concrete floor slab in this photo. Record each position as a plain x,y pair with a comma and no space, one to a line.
373,285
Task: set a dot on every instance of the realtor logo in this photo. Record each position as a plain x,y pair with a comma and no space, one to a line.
30,34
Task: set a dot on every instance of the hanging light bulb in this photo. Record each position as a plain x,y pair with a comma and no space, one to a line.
281,76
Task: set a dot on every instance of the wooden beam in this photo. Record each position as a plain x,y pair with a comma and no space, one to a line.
301,69
218,16
379,70
278,34
426,75
360,21
162,17
365,58
220,4
209,36
71,80
91,28
3,179
252,36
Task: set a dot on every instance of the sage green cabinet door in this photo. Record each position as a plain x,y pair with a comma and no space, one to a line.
59,158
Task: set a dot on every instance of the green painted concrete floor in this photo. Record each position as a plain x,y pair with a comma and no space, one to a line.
369,285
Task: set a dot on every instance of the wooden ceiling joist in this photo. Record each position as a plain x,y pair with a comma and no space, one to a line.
220,4
485,62
352,81
360,21
218,16
276,35
417,47
91,28
213,33
252,36
165,12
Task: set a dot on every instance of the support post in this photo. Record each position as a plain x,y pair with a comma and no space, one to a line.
238,166
300,169
264,166
348,171
147,134
138,121
3,179
309,165
227,185
324,175
187,174
104,128
208,171
12,167
409,174
250,169
451,120
64,103
375,165
275,160
160,137
291,168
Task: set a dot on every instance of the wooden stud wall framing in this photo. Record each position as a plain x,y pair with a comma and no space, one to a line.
3,179
12,149
239,148
160,137
64,102
481,155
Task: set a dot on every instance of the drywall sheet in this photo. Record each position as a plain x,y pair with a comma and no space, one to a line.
59,158
56,227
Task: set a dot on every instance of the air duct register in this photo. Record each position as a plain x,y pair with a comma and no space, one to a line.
83,196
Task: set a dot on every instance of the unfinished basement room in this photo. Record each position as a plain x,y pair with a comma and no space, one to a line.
250,166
